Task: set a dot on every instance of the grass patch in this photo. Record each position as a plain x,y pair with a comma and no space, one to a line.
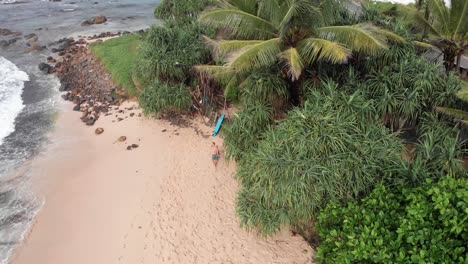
118,56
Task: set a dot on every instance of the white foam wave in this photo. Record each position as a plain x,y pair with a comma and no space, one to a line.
11,87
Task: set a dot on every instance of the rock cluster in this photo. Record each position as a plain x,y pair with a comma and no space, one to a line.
83,78
94,20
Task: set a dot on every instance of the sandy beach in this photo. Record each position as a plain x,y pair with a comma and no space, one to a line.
162,202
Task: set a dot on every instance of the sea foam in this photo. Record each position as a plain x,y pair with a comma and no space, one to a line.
11,87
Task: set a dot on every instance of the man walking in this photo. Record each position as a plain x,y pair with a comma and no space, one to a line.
215,154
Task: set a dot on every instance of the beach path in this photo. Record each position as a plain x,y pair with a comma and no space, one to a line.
162,202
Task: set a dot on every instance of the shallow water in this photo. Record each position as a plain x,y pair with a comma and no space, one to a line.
28,98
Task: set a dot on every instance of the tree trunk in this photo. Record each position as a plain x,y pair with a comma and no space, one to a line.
426,17
459,55
296,93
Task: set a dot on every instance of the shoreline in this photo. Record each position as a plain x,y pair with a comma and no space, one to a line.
162,201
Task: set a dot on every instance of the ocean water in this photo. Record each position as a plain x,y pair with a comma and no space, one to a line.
28,98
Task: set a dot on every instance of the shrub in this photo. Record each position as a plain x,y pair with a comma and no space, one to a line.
169,52
428,224
329,150
182,11
245,130
160,98
404,91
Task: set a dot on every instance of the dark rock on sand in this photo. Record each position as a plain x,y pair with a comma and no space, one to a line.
99,131
94,20
77,107
90,121
31,37
45,68
122,139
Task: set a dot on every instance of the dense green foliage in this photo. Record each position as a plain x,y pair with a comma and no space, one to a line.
118,56
295,35
428,224
162,97
169,51
329,150
244,131
182,11
168,54
334,108
403,91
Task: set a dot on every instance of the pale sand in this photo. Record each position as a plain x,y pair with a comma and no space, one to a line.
160,203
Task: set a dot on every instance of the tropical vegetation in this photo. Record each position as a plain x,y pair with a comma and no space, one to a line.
447,25
427,224
345,128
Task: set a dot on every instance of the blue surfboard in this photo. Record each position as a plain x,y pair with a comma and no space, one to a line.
218,126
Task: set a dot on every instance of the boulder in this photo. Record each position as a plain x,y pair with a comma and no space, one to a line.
77,107
31,37
94,20
122,139
45,68
99,131
90,121
35,47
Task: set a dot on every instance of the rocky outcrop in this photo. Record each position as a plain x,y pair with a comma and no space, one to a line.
45,68
94,20
7,32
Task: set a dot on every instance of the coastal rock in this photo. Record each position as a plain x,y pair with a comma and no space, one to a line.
45,68
7,32
122,139
94,20
90,121
31,37
6,43
99,131
35,47
77,107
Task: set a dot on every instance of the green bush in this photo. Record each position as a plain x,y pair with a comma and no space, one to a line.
181,10
169,52
244,131
404,91
428,224
329,150
160,98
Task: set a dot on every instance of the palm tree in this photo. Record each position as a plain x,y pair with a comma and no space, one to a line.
449,31
293,34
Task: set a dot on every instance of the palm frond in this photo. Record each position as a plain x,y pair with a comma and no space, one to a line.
292,63
417,19
224,47
454,112
255,56
423,45
361,37
296,9
315,49
239,23
459,16
442,14
247,6
463,94
219,73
